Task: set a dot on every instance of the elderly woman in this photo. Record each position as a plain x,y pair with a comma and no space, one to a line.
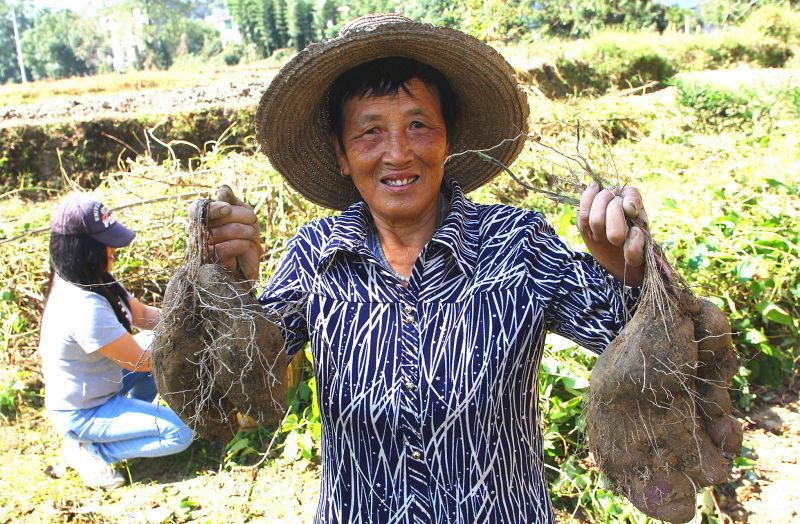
426,312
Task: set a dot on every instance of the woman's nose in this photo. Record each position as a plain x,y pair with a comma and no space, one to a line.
398,148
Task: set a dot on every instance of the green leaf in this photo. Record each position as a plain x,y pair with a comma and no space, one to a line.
291,422
755,336
575,383
777,314
549,365
237,445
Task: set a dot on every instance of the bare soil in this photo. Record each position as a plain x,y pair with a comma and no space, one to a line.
768,493
192,487
241,88
189,487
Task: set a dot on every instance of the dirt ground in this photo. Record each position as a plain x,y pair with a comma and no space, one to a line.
235,89
189,487
770,494
192,487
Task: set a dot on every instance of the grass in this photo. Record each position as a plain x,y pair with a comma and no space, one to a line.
192,486
718,202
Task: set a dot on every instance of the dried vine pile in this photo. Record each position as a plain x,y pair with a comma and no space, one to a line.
216,353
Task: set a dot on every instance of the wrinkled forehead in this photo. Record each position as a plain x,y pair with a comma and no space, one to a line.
414,89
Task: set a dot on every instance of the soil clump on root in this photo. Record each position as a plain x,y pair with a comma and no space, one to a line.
658,410
216,353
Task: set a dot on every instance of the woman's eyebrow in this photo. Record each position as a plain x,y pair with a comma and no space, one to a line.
415,111
369,117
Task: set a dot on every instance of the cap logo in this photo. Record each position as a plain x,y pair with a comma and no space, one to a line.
103,214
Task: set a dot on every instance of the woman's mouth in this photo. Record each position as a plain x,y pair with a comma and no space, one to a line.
400,182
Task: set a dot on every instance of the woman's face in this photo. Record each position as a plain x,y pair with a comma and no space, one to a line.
394,150
110,258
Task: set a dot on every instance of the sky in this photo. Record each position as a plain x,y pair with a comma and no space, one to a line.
75,5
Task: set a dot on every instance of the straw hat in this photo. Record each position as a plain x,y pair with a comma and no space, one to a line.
292,122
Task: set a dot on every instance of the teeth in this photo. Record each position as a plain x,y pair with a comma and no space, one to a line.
400,182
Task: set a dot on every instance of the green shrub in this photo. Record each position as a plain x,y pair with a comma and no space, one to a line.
716,109
631,66
775,21
724,49
233,54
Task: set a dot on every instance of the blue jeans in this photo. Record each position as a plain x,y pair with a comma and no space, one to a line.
129,425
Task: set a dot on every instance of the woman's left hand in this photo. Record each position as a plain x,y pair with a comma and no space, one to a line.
602,222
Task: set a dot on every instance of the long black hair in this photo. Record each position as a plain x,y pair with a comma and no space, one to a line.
83,261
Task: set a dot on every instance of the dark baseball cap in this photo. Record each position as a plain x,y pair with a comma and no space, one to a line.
81,214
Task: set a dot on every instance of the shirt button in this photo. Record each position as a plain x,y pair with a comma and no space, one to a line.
408,310
410,386
416,455
410,319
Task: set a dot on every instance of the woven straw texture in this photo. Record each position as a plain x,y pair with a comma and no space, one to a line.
291,121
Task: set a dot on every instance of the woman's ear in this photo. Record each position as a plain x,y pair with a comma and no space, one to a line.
341,156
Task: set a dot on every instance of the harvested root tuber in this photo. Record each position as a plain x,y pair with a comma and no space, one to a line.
658,410
216,353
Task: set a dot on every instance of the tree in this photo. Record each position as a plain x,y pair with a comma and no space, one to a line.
61,44
9,65
162,29
582,17
301,23
328,18
259,23
281,23
198,38
722,13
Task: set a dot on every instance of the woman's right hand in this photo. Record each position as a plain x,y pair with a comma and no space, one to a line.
234,232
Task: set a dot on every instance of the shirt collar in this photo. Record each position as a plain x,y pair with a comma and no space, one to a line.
457,234
459,230
349,233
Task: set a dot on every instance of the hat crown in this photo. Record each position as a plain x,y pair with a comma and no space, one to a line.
292,121
372,22
81,214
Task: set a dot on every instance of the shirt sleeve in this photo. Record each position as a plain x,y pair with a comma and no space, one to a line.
587,304
285,297
95,324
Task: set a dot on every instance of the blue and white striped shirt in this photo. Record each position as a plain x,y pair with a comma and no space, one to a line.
428,393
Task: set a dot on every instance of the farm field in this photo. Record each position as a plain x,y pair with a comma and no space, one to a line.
715,154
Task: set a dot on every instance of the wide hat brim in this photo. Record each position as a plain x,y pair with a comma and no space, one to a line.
292,122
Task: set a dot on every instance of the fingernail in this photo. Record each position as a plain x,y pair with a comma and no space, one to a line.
594,185
630,208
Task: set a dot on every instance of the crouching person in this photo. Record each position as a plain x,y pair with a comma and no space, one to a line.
99,393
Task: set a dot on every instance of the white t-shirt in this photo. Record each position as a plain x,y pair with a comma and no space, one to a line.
76,323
